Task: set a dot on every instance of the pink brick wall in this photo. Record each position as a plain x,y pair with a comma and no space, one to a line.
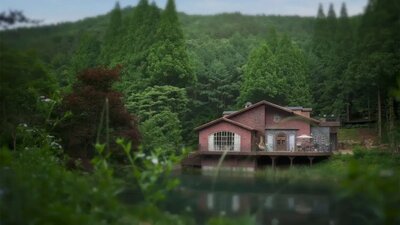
245,135
254,118
286,121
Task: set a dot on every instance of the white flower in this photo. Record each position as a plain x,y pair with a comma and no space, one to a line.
55,145
386,173
154,160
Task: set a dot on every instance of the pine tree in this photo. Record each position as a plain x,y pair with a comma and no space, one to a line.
293,69
376,62
168,59
343,53
142,26
140,36
331,19
260,79
111,48
85,56
320,31
115,25
319,51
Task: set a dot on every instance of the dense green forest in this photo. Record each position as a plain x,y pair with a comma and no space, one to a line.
344,67
96,113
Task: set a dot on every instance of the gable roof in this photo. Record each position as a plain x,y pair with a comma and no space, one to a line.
288,110
224,119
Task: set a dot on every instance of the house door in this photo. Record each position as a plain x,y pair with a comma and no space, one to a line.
281,142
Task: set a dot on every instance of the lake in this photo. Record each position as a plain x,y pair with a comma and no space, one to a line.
249,199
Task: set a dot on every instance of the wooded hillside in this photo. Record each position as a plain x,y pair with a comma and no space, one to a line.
219,62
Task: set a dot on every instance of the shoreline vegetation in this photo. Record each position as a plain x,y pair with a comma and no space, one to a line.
79,197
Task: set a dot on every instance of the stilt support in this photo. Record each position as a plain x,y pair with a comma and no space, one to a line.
273,161
311,160
291,161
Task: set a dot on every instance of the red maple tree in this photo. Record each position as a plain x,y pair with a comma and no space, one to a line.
87,102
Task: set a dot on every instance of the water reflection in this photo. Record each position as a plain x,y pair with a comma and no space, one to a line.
268,203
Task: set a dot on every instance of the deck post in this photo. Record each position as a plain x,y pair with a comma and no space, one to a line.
291,161
273,161
311,160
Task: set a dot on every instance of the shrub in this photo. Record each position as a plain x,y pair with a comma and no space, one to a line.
91,101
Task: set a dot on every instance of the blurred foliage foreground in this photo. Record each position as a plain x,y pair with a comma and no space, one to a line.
36,188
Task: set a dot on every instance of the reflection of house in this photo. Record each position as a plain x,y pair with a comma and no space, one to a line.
264,128
285,208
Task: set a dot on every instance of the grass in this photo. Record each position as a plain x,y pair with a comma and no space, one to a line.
337,167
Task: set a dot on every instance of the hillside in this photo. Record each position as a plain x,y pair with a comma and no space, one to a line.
49,40
219,62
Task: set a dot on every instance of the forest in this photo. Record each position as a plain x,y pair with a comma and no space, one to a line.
124,91
217,63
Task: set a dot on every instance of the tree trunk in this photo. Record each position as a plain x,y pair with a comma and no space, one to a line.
14,139
390,124
379,116
369,110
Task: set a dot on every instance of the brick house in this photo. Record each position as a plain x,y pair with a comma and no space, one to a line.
265,127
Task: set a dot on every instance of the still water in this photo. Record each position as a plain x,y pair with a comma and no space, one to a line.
247,199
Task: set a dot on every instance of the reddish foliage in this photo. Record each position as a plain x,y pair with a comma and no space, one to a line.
86,103
101,78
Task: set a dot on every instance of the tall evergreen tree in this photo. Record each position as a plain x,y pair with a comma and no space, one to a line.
293,69
320,31
140,36
111,47
168,59
343,53
142,26
327,62
331,19
85,56
377,60
260,79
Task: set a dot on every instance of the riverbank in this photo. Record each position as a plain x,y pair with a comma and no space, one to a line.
339,166
362,188
35,186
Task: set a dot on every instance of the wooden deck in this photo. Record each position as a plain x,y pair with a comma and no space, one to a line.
265,153
195,159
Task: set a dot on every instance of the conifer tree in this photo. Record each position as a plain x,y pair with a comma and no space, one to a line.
141,26
325,79
376,62
111,48
320,32
85,56
293,69
168,59
331,18
260,79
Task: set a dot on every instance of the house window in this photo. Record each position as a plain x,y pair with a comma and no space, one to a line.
224,141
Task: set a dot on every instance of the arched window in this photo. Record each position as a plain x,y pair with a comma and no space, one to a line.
224,141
